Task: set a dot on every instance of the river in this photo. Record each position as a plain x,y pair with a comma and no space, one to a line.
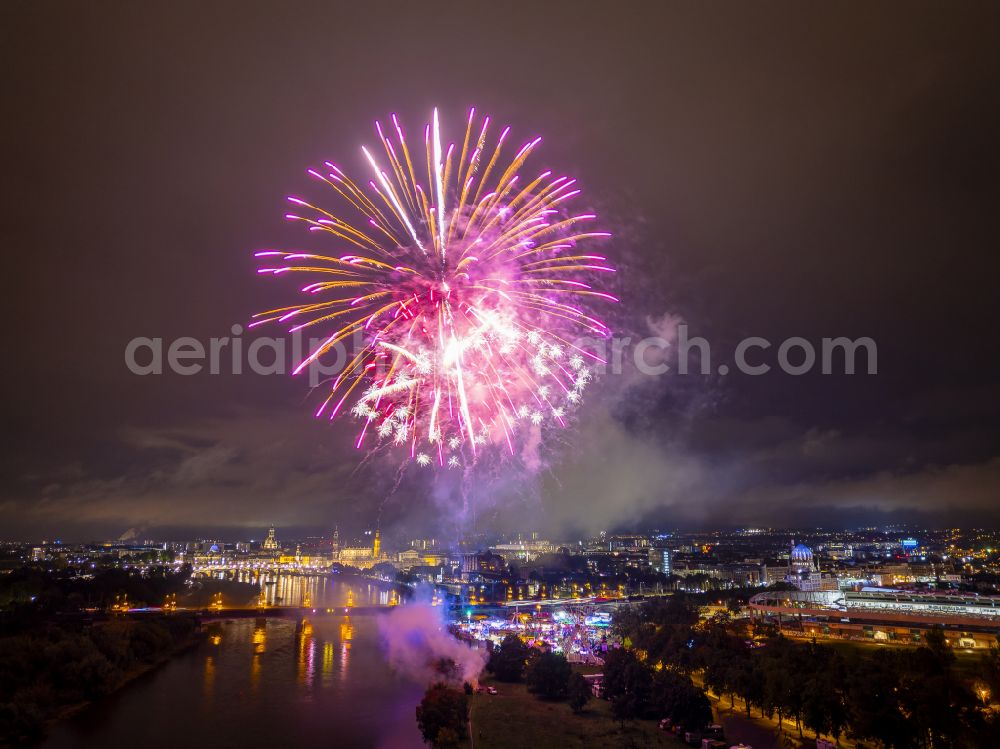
266,683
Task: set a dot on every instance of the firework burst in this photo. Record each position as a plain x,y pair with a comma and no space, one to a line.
466,289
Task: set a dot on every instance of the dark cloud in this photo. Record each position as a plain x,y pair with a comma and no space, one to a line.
769,171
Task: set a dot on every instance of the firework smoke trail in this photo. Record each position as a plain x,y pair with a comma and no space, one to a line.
469,290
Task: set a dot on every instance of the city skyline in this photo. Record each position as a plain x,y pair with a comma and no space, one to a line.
354,533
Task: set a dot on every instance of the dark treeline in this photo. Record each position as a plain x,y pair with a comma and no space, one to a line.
52,668
650,677
637,690
48,590
55,655
897,699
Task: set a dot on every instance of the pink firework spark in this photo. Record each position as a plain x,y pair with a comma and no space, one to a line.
469,293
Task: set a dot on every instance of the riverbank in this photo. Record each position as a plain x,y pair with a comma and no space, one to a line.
256,683
50,673
197,638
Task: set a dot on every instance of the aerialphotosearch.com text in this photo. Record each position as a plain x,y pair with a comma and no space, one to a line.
653,356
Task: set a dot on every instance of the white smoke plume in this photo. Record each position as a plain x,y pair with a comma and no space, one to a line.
416,639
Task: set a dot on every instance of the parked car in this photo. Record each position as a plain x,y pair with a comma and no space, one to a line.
491,690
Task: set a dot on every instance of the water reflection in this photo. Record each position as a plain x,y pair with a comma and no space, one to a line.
258,682
254,674
260,635
307,653
346,634
327,662
319,591
208,680
346,630
259,648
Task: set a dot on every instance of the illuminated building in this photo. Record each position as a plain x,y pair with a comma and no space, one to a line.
270,543
525,551
803,572
362,557
970,621
408,558
482,566
622,543
661,561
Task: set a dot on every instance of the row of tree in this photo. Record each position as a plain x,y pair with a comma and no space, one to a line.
637,690
443,714
548,675
893,698
53,655
49,668
32,594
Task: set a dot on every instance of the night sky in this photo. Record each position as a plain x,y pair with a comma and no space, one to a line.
770,170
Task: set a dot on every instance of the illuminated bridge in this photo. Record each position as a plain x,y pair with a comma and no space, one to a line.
253,612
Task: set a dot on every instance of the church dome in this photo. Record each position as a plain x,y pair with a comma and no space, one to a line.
802,553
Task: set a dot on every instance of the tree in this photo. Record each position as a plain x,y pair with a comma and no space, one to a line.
820,707
663,629
507,661
675,696
718,673
778,686
443,716
579,692
873,701
615,663
626,623
936,643
625,706
694,710
447,671
749,683
385,569
942,709
447,738
633,699
989,670
548,675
